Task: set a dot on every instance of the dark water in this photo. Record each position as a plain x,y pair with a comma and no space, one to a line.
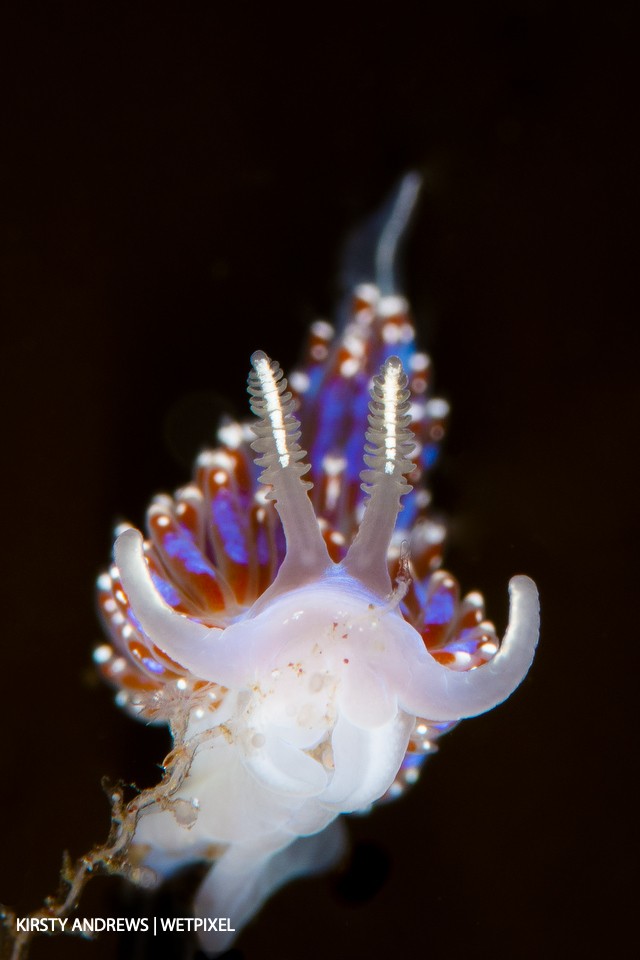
176,190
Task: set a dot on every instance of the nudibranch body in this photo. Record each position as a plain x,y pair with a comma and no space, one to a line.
297,617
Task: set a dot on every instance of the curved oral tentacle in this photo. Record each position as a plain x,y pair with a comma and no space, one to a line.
436,692
184,640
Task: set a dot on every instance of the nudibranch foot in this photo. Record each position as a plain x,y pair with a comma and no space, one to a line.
243,879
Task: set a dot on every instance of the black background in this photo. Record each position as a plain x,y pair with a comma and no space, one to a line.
176,184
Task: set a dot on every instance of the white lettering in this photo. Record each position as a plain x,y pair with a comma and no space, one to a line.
40,924
122,924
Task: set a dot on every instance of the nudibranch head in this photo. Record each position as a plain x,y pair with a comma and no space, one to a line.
311,593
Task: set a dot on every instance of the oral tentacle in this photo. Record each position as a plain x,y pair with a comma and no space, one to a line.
436,692
185,640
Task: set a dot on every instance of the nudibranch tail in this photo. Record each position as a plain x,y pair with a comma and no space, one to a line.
372,253
390,441
393,233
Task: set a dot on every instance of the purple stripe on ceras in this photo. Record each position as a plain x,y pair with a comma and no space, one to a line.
180,546
440,608
166,590
229,525
467,641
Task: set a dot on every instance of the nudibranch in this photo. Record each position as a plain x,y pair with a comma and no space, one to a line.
294,610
